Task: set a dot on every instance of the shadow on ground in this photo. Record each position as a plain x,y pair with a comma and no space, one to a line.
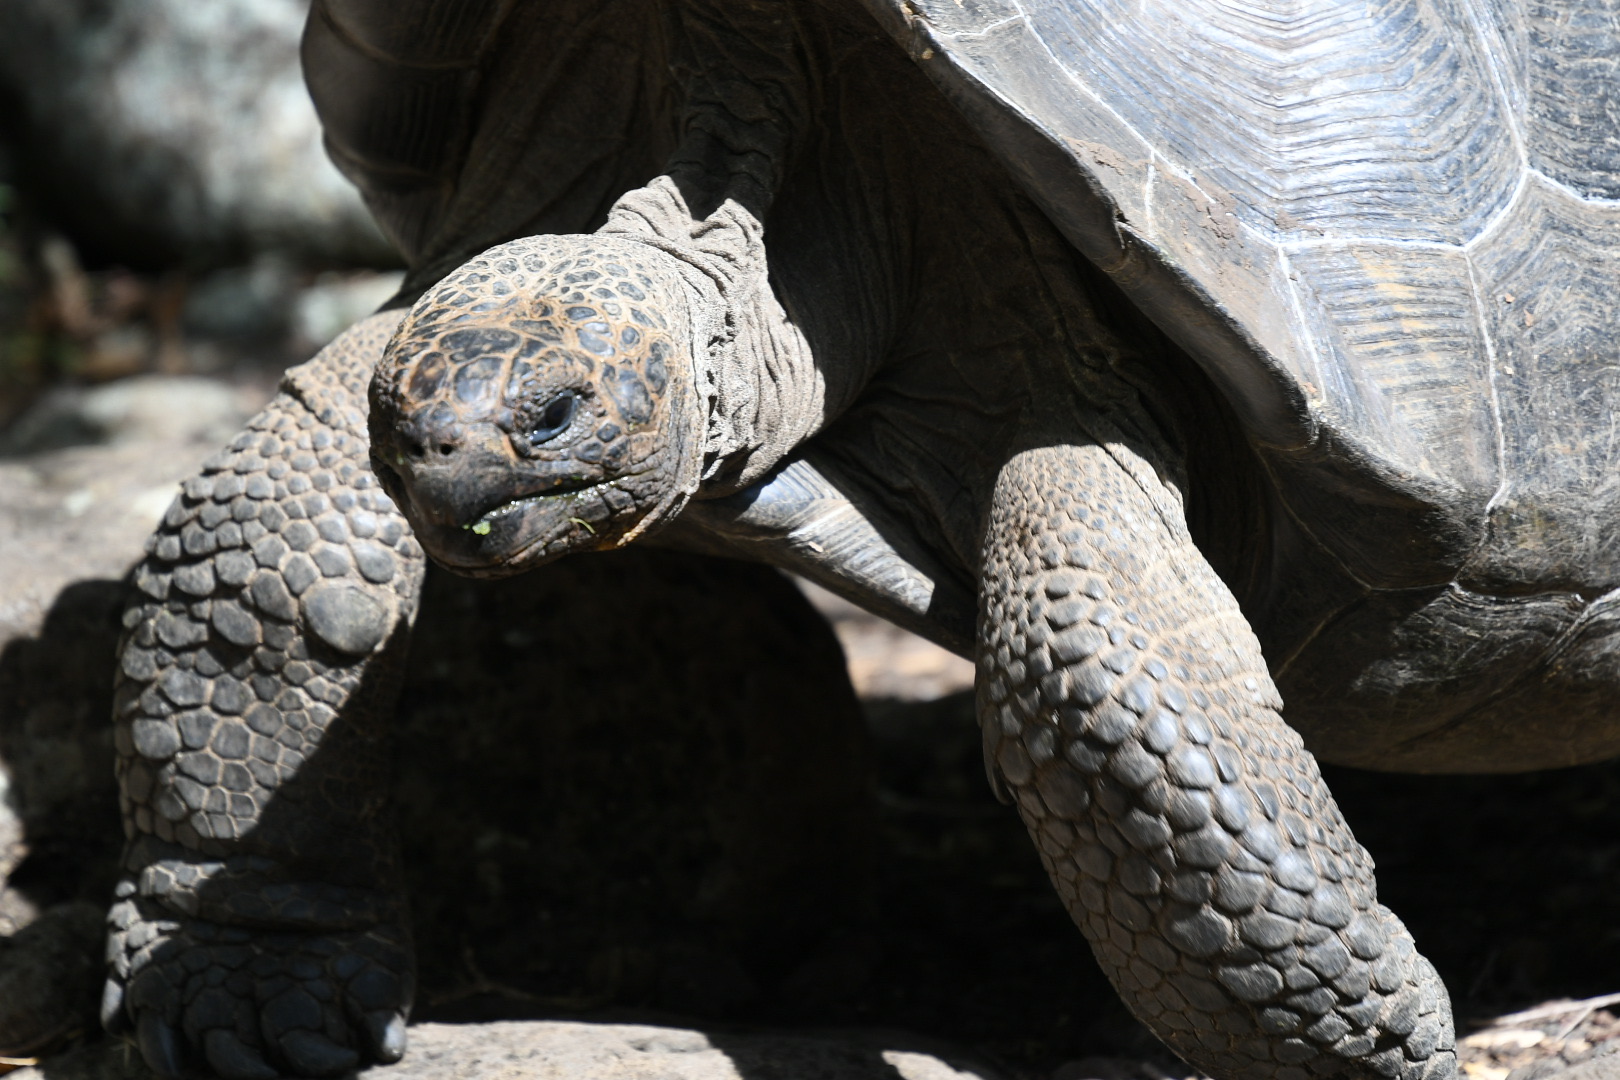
691,839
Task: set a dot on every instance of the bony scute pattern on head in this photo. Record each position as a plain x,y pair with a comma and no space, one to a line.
541,400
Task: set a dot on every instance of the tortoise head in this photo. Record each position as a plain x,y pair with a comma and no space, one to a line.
540,400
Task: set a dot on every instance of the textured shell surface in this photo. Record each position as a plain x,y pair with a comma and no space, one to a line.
1390,223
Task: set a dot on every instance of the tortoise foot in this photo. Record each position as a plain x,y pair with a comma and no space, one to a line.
249,1004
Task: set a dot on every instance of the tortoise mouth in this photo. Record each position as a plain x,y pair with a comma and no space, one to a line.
484,524
523,532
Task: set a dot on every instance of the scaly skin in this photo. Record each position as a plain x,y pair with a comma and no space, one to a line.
259,925
1126,707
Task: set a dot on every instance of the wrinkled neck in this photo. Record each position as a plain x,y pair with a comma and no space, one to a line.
762,390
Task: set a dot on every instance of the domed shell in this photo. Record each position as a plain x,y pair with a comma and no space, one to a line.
1386,229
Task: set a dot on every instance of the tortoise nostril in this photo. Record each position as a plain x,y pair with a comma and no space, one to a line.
439,433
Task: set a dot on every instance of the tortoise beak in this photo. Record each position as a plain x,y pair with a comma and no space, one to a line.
469,503
448,482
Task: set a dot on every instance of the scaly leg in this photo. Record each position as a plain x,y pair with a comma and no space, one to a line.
1126,707
259,926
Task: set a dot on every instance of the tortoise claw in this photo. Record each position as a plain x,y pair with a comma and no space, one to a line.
234,1059
386,1029
158,1044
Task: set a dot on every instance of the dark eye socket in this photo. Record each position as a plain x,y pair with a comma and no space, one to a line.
555,418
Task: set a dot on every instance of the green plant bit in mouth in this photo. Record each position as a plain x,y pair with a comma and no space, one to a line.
482,525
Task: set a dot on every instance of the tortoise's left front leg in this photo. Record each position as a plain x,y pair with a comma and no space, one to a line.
259,928
1126,705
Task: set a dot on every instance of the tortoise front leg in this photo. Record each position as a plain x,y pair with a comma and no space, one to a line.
1126,707
259,926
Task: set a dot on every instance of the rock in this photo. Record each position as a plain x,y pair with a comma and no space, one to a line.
267,300
888,662
165,131
334,302
552,1050
1602,1067
156,409
1109,1068
249,302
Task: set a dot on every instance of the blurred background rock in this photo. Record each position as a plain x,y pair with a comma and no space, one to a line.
165,202
167,132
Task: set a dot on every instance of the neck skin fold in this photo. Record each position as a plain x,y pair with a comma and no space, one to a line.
763,391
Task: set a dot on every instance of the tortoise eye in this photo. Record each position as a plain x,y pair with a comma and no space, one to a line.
555,418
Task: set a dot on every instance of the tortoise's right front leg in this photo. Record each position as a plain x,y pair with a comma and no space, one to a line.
259,926
1126,705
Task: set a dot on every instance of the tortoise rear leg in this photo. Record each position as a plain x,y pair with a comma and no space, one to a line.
259,926
1126,707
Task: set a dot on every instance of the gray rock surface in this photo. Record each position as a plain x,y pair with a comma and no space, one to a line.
553,1050
50,978
161,410
269,299
166,129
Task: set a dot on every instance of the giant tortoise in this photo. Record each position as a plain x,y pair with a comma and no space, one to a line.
1170,359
